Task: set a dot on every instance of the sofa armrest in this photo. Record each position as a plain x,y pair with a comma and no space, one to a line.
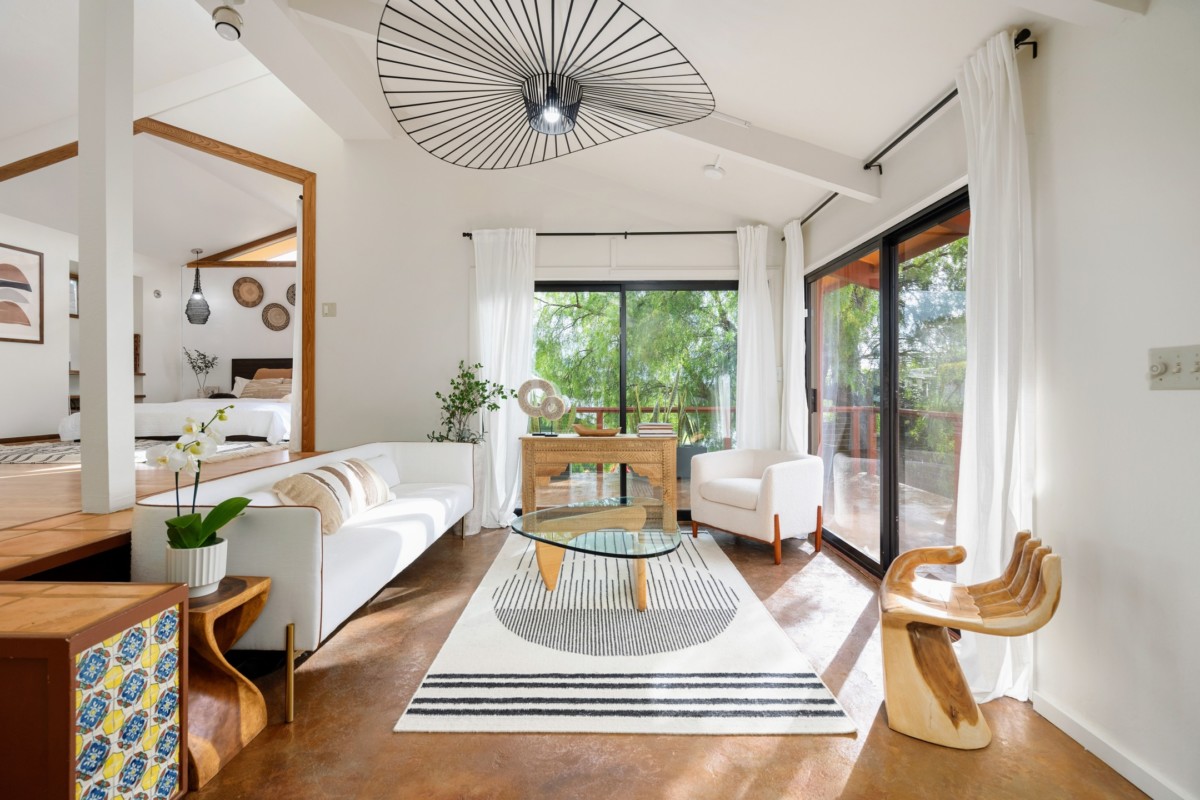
793,490
434,462
283,543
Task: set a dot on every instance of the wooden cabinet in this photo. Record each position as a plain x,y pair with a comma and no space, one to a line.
93,677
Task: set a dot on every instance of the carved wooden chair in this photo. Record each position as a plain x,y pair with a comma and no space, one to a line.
926,693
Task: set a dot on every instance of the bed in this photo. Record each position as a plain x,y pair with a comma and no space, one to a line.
269,420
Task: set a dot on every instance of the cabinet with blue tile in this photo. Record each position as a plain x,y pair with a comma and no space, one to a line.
97,678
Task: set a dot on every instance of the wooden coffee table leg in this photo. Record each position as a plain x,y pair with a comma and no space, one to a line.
639,566
549,560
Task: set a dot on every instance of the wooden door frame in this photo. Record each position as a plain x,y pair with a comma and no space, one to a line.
308,245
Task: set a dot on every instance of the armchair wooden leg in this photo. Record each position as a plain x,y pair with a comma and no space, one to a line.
820,527
778,543
926,693
695,529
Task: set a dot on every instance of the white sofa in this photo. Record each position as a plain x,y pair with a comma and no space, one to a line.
318,581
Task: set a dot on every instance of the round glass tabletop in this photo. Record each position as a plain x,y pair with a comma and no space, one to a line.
619,527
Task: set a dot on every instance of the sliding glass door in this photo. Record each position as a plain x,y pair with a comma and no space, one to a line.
887,349
625,353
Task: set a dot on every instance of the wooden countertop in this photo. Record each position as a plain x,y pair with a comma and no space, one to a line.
62,610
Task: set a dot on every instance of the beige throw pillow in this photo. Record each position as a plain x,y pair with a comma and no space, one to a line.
267,389
339,491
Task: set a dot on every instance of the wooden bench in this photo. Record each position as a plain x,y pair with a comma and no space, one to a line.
926,693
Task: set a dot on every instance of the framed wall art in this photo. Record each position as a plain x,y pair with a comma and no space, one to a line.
21,295
73,303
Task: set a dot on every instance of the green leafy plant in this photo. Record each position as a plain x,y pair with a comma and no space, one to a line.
191,530
469,394
199,441
201,365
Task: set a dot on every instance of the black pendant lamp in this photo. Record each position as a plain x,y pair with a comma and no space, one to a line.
495,85
197,311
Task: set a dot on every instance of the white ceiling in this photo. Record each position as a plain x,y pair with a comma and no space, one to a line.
182,199
39,41
845,75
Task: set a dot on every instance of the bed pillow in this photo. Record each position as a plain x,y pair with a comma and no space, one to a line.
239,385
267,389
338,490
267,372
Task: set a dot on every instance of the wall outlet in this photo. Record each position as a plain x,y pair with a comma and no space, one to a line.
328,309
1175,367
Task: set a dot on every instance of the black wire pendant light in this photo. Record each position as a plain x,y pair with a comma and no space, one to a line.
494,84
197,310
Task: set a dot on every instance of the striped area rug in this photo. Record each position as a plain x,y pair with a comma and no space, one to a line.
705,658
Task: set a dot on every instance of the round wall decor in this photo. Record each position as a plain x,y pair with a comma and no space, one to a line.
291,294
248,292
276,317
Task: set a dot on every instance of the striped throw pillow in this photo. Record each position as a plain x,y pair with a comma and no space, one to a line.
338,490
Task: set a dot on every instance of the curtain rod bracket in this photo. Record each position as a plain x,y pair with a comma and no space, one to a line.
1022,40
874,165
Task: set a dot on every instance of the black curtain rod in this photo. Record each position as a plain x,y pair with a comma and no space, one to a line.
1020,40
627,234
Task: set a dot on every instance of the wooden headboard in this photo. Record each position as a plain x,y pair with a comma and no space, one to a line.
246,367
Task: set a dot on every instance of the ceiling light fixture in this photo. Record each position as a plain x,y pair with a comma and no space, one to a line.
714,170
197,311
227,21
500,85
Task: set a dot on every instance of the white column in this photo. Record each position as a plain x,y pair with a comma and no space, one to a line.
106,253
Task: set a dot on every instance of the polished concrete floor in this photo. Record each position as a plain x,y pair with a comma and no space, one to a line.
352,691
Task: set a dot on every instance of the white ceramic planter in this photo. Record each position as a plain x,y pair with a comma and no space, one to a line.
471,523
201,568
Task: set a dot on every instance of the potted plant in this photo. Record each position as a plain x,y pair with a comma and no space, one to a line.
195,555
201,365
468,395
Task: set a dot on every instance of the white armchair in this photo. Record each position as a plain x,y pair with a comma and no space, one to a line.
767,495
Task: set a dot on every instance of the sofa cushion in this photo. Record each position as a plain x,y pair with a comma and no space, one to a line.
338,490
739,492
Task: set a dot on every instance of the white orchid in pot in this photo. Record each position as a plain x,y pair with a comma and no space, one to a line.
195,555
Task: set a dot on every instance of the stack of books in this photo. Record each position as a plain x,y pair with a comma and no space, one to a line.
663,429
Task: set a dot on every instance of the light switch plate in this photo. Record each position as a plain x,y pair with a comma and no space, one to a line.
1175,367
328,309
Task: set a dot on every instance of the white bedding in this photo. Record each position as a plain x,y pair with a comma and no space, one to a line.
265,419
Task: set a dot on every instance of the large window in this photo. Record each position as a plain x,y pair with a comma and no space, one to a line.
887,344
625,353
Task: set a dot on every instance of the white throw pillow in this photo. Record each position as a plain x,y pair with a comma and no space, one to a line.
238,385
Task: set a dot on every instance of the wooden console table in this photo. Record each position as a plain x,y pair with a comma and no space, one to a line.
227,710
544,456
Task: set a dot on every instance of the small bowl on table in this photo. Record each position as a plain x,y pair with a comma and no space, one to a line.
584,430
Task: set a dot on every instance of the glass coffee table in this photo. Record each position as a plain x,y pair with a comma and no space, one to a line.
615,527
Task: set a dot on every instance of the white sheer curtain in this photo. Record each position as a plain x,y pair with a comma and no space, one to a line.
995,489
794,418
294,443
757,402
504,304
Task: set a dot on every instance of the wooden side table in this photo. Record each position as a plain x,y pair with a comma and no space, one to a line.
226,711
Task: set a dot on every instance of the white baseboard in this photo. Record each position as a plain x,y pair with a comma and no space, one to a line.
1136,773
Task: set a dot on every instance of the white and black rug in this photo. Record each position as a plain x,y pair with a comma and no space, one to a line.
705,658
68,452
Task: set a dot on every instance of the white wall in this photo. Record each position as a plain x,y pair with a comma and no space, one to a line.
1112,116
33,389
37,402
234,331
390,251
1116,182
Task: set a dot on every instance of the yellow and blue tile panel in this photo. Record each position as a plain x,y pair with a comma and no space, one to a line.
127,737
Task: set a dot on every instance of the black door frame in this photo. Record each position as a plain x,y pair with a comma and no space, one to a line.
887,243
621,289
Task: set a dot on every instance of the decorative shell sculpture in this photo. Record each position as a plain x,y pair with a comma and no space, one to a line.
539,398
